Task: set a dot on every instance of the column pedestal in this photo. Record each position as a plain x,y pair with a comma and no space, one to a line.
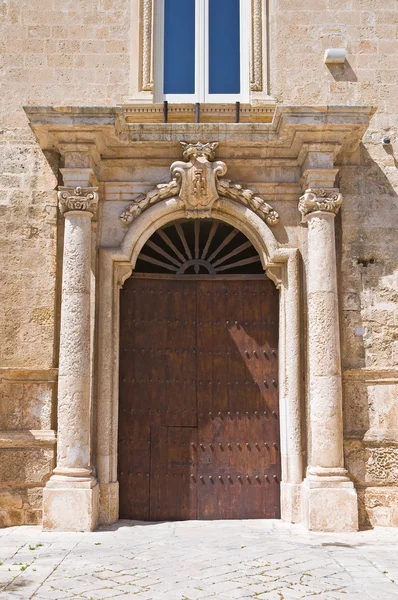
329,508
70,505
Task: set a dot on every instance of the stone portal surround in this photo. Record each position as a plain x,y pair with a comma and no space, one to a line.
326,500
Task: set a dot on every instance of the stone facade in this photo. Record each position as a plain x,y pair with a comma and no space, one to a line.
59,53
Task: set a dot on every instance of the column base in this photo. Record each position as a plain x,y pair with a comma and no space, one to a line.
291,502
108,503
70,505
329,506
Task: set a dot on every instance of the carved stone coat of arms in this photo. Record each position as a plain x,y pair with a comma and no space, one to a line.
198,178
196,181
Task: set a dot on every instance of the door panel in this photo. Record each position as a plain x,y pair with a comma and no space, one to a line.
157,379
173,473
199,416
238,400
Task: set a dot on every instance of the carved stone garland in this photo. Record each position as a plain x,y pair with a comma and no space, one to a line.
196,182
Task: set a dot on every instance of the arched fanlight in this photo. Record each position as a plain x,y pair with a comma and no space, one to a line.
199,247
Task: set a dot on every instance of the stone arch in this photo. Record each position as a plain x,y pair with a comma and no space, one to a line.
117,264
241,217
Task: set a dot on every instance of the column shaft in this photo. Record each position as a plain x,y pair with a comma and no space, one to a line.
325,393
74,356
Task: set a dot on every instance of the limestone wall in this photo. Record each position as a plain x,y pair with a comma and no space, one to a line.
53,52
367,240
77,52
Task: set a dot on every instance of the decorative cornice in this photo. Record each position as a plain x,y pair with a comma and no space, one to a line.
78,199
320,200
256,79
196,182
284,136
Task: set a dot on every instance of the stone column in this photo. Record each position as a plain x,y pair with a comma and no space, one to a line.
70,499
329,497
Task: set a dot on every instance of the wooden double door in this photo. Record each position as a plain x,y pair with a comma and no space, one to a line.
199,411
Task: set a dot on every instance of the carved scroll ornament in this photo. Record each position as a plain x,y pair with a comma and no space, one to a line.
77,199
196,182
323,200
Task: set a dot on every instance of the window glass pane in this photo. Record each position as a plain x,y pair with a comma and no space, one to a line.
179,46
224,47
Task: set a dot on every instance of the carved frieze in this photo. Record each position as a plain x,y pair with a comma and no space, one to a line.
77,199
196,182
323,200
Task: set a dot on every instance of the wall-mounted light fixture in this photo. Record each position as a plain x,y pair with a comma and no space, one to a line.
335,56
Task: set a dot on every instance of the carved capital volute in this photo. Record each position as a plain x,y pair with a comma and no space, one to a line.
79,199
327,200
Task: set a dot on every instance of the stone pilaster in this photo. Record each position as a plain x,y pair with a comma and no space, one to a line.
70,499
329,497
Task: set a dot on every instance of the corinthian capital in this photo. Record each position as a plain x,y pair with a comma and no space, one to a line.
77,199
324,200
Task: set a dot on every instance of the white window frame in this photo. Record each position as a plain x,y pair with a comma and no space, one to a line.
202,57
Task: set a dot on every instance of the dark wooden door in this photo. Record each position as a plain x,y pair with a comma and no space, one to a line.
199,411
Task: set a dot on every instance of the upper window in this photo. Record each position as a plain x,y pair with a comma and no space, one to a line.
202,50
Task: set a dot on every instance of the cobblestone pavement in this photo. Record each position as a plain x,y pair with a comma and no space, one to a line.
199,560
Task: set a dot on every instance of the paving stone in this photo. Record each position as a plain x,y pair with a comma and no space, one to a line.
199,561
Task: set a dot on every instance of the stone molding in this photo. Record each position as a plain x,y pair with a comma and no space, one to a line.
12,375
257,57
147,45
83,199
27,438
112,130
320,200
196,182
115,265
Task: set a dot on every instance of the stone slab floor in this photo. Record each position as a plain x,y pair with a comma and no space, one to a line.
199,560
